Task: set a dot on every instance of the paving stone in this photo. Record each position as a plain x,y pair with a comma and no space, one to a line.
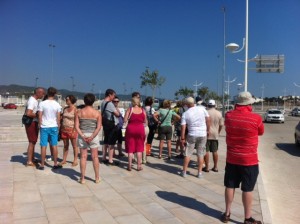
28,210
39,220
132,219
26,196
6,205
154,212
119,208
56,200
51,189
62,215
96,217
83,204
6,217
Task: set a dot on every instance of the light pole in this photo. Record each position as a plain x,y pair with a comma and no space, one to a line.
233,47
228,88
196,87
262,96
36,78
52,46
73,83
224,63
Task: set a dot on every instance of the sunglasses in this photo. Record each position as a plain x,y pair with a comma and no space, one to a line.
116,101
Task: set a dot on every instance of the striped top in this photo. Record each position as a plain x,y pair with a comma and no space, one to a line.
242,130
87,125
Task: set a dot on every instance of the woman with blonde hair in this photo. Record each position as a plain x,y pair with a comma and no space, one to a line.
164,117
136,120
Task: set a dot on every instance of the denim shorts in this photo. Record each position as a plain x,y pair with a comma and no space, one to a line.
49,135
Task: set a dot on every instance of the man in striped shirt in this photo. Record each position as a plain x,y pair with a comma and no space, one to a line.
242,130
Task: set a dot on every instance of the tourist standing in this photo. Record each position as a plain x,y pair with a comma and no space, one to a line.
49,123
242,130
68,130
88,122
32,130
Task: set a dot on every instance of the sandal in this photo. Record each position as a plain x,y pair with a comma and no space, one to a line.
30,164
81,181
75,163
129,168
140,169
252,221
225,218
205,170
215,169
97,181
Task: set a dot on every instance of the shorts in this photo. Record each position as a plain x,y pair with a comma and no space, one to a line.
50,134
95,143
68,133
212,145
165,132
236,174
120,138
32,132
194,142
110,135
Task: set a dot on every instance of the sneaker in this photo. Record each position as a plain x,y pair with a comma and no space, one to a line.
183,174
225,218
252,221
49,158
200,175
180,156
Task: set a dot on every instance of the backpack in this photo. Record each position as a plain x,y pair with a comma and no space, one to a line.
150,118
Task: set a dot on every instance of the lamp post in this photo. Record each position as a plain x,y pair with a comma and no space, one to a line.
73,83
233,47
228,88
52,46
196,87
36,78
224,62
262,96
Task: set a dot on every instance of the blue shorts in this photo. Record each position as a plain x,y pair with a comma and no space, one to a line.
49,134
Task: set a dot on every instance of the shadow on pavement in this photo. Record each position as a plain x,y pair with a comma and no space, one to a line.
191,203
71,173
290,148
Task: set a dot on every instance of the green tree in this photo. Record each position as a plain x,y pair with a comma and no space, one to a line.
184,91
203,91
151,79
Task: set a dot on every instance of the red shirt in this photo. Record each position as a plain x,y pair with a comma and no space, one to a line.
242,130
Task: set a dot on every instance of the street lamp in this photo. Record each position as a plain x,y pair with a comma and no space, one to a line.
36,78
228,87
73,84
233,48
52,46
196,87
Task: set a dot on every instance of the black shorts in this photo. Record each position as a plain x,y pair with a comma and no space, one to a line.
236,174
110,135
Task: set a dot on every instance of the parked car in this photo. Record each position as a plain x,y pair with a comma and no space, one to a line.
295,111
274,115
297,134
10,106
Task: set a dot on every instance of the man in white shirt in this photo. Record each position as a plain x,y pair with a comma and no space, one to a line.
49,123
32,130
196,121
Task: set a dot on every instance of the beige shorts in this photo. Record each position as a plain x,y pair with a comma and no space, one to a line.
198,143
95,143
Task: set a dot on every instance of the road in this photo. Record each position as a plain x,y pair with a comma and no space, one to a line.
280,165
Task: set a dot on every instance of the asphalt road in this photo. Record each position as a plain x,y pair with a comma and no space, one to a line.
280,165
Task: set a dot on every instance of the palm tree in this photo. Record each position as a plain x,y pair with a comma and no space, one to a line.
151,79
184,91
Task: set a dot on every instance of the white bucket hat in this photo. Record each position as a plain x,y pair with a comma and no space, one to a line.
245,98
212,103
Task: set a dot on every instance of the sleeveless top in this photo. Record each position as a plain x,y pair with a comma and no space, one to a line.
87,125
68,119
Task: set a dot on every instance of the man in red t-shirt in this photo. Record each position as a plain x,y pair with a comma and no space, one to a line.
242,130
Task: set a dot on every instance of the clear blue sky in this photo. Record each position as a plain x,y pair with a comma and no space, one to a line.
109,43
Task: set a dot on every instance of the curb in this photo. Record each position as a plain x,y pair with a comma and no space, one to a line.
264,206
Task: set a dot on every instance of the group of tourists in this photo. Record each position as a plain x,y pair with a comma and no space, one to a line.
196,126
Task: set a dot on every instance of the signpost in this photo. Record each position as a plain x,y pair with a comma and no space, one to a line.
269,63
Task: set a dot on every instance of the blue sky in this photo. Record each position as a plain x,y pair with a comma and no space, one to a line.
109,43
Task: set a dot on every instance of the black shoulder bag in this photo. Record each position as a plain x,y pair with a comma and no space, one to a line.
26,120
107,124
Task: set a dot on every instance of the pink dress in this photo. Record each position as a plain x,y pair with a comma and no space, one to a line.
135,133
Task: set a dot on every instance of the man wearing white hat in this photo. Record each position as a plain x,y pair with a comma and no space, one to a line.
212,144
242,130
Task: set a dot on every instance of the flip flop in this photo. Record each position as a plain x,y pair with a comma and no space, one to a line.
215,170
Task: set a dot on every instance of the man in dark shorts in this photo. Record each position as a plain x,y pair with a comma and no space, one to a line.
32,130
109,112
242,130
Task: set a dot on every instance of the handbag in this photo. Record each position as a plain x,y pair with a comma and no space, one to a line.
26,120
125,124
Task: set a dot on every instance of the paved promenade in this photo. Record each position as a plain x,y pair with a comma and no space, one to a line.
158,194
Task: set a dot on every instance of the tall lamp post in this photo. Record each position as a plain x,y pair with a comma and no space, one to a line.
228,88
36,79
224,63
52,46
73,83
233,47
196,87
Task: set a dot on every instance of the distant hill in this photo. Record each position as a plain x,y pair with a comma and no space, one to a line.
18,90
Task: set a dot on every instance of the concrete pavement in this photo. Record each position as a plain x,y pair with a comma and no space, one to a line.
158,194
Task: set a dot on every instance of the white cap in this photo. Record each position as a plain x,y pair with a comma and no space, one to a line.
212,103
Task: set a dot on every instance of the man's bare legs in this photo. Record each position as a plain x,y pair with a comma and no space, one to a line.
30,152
247,202
229,195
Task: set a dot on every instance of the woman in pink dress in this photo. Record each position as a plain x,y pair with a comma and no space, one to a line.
135,132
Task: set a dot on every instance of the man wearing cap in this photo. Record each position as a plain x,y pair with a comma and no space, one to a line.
242,130
196,120
212,143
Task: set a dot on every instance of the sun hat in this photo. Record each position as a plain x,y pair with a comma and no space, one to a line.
245,98
189,100
212,103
